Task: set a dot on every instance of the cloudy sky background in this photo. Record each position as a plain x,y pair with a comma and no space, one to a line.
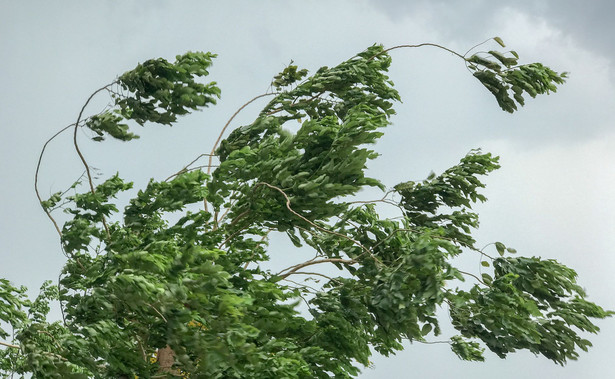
551,198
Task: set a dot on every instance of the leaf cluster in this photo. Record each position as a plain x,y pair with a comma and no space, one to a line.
508,81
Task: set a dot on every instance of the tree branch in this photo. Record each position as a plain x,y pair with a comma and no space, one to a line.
366,250
294,269
213,149
85,163
472,275
9,345
186,167
38,167
419,45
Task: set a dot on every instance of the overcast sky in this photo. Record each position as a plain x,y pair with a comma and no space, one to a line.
551,198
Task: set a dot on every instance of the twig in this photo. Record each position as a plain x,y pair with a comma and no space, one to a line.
245,266
76,124
51,336
9,345
296,103
185,168
38,167
472,275
432,342
85,163
312,273
477,45
213,150
481,251
314,262
419,45
157,311
366,250
239,217
302,286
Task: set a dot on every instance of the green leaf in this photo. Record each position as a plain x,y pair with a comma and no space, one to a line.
499,246
499,41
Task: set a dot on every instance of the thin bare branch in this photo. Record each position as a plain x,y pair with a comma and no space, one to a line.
419,45
157,311
433,342
314,262
213,149
187,167
477,45
311,273
85,163
9,345
366,250
38,167
474,276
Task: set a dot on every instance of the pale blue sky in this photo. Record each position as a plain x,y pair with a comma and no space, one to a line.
552,197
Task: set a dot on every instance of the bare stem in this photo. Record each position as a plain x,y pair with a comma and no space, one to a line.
366,250
85,163
9,345
187,167
474,276
309,273
295,268
38,167
419,45
213,149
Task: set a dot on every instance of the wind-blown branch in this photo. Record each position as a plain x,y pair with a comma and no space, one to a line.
9,345
38,167
213,149
85,163
366,250
294,269
418,45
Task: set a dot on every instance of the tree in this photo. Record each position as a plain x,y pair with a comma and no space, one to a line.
175,283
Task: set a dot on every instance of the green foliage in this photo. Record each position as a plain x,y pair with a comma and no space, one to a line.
111,124
530,304
159,91
501,75
162,273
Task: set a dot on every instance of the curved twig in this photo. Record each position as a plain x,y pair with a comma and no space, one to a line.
213,149
477,45
76,124
9,345
366,250
419,45
38,167
85,163
294,269
187,167
472,275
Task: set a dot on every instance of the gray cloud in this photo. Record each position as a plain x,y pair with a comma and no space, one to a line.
590,23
